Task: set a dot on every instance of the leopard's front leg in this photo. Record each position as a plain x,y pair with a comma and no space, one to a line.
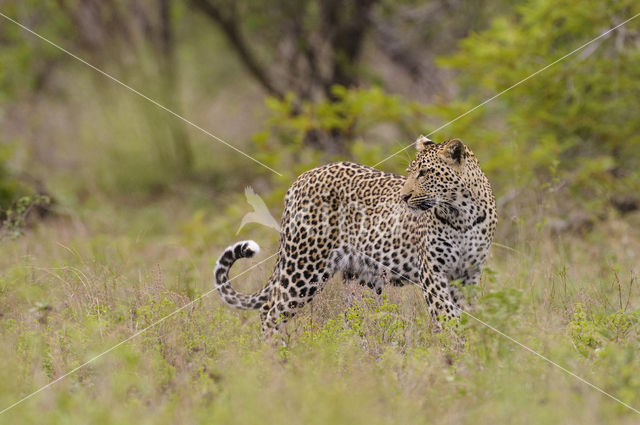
437,293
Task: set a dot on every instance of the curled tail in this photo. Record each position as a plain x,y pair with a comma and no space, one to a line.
244,249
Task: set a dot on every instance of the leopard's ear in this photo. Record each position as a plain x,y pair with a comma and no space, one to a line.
455,151
422,142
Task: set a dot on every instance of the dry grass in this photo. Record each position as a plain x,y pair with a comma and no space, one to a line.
70,289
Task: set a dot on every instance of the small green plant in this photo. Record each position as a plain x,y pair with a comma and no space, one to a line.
15,217
590,331
584,331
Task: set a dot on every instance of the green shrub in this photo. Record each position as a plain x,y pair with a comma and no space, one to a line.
362,117
16,199
573,125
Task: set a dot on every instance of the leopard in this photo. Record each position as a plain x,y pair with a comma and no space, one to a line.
432,227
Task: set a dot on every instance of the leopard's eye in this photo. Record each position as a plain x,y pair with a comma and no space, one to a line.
422,173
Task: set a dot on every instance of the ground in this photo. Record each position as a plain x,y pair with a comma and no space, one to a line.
75,285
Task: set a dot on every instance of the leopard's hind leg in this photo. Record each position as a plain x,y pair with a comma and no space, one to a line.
289,294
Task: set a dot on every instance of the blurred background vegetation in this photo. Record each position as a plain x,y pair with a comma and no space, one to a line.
297,84
113,210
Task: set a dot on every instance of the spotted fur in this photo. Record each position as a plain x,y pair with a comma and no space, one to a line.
430,228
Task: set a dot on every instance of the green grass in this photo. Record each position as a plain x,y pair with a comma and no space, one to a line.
73,287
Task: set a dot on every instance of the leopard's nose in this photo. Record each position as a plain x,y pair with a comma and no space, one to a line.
405,197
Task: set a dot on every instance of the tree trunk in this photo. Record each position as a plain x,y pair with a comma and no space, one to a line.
170,90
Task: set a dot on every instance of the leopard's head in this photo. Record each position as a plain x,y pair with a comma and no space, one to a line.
441,174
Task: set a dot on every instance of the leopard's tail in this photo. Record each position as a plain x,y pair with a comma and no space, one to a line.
244,249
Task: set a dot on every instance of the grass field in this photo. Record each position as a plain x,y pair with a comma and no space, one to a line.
78,284
115,284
